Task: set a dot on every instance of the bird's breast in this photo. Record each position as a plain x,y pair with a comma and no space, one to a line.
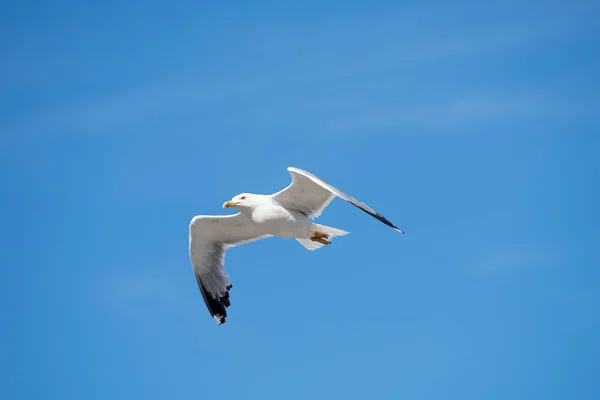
279,221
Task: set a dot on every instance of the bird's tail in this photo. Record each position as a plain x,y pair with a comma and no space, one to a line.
317,229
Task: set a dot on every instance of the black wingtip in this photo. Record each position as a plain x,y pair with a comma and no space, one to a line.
216,306
380,217
398,229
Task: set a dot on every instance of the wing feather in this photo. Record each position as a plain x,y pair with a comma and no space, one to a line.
303,195
210,236
310,194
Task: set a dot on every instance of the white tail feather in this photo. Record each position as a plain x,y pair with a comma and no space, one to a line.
332,232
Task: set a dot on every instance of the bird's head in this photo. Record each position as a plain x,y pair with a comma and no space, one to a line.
243,201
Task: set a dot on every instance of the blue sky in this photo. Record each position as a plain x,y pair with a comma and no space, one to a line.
472,126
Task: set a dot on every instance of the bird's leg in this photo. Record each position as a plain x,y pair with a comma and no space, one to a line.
320,237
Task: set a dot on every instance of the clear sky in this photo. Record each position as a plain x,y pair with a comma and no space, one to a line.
473,126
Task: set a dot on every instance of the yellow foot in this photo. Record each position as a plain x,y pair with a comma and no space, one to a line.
320,237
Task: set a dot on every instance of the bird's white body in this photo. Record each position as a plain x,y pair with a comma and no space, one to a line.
270,218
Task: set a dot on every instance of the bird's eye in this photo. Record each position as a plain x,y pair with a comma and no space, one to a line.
243,197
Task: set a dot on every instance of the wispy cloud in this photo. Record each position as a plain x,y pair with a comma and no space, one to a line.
515,258
461,110
128,291
127,106
282,88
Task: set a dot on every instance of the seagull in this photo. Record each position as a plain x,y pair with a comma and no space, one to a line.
286,214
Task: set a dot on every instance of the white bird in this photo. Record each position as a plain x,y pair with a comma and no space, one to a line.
286,214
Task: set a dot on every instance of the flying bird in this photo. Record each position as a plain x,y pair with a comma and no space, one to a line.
287,214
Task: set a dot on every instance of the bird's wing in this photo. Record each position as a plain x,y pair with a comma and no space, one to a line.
210,236
310,195
304,194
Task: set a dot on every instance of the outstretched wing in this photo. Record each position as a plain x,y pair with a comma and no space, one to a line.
310,195
210,236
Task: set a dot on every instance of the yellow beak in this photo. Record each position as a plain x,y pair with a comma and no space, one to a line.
228,204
